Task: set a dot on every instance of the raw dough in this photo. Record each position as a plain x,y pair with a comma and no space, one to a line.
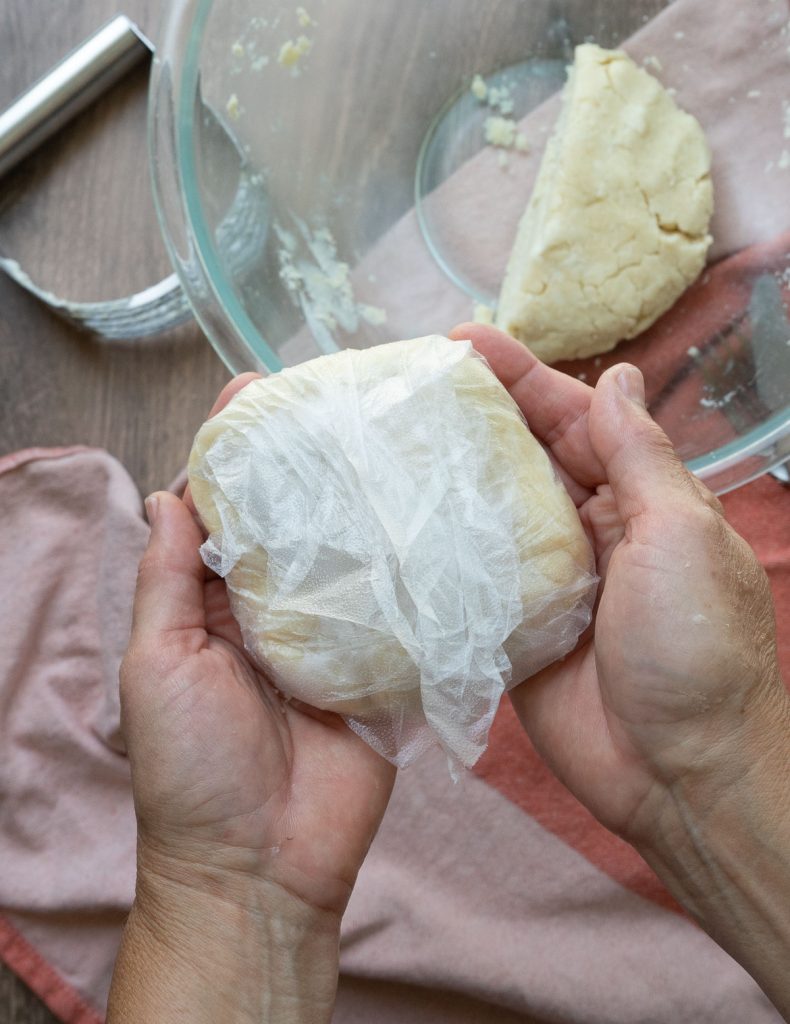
292,52
617,226
396,544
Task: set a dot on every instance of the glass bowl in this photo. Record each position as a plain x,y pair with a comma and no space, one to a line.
323,181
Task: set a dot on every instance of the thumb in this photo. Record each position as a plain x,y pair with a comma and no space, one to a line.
169,600
643,469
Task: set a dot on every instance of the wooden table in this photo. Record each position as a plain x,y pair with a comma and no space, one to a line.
79,217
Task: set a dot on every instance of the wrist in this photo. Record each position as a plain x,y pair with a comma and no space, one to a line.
734,785
222,947
720,841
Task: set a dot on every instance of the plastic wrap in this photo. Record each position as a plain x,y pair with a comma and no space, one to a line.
396,544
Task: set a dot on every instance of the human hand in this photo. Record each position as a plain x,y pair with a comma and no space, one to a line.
254,814
683,652
670,721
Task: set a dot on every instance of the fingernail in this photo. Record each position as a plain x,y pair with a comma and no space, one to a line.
151,508
632,384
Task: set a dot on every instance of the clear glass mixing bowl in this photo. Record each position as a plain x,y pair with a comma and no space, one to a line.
323,181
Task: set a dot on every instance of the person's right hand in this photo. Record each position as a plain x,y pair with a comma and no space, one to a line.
670,722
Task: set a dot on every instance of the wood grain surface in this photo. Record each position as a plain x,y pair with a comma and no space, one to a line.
79,216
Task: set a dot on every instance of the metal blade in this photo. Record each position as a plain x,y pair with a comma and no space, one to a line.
770,342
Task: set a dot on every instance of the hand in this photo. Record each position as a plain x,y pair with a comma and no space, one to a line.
665,715
254,814
684,639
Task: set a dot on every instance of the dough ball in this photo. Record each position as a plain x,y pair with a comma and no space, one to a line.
396,544
617,226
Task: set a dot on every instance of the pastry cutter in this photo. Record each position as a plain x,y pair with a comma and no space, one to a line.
52,102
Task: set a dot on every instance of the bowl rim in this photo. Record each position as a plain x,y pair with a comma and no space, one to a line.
174,86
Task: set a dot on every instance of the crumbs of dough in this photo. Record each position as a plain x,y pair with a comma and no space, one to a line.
479,88
320,283
291,52
483,314
503,133
500,131
718,403
375,315
304,18
500,98
233,107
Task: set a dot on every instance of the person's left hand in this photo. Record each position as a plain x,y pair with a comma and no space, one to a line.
238,792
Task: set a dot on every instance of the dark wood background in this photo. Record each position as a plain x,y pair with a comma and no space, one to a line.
79,217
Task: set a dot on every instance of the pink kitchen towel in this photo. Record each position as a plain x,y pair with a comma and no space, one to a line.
72,535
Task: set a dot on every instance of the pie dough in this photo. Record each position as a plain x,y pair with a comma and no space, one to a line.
617,226
396,544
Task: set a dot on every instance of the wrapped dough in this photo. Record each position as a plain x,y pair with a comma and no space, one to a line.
396,544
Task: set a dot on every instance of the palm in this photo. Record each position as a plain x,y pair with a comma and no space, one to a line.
277,791
616,718
603,765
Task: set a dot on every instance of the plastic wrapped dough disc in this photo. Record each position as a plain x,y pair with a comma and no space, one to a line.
396,545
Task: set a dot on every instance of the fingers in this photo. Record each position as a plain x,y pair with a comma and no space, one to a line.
595,436
642,467
554,405
169,613
561,711
231,389
579,495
